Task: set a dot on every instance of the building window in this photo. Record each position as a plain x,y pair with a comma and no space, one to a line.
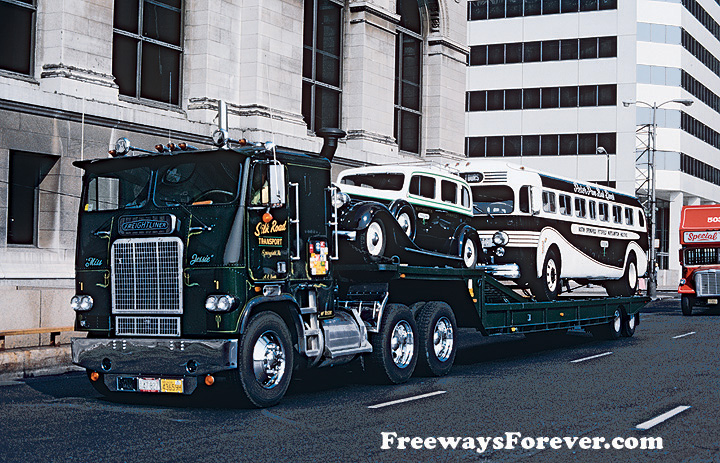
493,9
147,49
545,145
408,72
17,35
548,50
26,175
322,58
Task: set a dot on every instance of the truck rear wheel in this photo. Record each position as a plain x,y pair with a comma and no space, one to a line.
395,346
686,304
436,332
265,359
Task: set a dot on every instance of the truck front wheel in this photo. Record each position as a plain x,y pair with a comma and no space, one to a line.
265,359
395,346
436,329
686,304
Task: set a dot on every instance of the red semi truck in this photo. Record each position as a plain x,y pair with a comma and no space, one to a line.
699,256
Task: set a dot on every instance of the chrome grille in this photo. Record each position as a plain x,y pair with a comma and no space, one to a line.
495,177
147,275
147,326
702,256
707,283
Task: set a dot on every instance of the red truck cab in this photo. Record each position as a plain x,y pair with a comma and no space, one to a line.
699,256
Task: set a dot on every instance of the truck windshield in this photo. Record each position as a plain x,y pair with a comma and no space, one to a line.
123,189
197,183
492,200
384,181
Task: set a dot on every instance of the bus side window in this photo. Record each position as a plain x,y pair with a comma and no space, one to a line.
524,198
603,212
641,218
465,197
617,214
580,207
548,198
592,210
565,204
629,216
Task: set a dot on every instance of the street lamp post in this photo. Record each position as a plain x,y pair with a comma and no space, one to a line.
601,150
652,281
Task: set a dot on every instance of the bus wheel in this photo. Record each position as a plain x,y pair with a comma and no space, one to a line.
686,304
437,329
547,288
468,251
265,359
627,285
395,346
373,240
629,324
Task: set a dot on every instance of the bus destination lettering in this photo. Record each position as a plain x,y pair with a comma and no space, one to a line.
594,192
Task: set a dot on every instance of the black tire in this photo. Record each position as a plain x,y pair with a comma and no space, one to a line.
611,330
373,240
394,366
468,250
437,330
405,216
547,287
627,285
687,302
629,324
265,384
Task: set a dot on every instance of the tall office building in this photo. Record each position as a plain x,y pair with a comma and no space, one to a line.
546,84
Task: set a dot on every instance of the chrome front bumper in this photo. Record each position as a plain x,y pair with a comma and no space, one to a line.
509,271
165,357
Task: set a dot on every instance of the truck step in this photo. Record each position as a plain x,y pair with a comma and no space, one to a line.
308,310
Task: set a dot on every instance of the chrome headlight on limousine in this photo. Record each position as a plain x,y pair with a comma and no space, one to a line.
340,199
81,303
220,303
500,238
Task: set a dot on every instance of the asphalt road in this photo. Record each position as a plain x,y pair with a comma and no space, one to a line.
499,385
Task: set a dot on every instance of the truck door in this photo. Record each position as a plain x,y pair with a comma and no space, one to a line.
268,222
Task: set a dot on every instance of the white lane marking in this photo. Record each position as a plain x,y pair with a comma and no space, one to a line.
408,399
591,357
665,416
683,335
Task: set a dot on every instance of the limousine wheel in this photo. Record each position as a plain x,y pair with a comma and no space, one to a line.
373,240
547,287
469,251
406,218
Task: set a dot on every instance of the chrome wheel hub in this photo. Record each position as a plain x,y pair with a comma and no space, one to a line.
443,340
404,221
468,254
402,344
268,360
617,322
551,275
374,239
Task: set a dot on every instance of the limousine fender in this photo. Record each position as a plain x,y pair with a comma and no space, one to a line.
357,216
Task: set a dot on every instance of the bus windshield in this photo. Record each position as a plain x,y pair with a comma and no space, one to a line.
491,200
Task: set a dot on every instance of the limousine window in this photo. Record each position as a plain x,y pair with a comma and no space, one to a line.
492,199
448,192
580,207
592,210
422,186
603,212
617,214
392,182
465,197
628,216
565,203
548,199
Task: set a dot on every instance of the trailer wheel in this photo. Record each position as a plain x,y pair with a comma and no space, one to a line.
373,240
436,329
686,304
547,288
612,330
395,346
265,359
469,250
629,324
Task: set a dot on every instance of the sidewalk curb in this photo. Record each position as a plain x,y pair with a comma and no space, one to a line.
35,361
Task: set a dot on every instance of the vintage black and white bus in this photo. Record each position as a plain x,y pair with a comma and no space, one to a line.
557,229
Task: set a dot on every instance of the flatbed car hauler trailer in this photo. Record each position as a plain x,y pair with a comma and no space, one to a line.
243,263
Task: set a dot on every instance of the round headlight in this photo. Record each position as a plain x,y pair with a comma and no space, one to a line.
219,137
500,251
225,303
211,303
340,199
682,281
122,146
500,238
81,303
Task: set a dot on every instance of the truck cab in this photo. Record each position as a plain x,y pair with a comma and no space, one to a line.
699,257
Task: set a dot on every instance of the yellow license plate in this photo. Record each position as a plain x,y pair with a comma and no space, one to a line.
171,385
712,301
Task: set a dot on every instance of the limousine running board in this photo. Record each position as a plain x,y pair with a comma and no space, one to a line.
509,271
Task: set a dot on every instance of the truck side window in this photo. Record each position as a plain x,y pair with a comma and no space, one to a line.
422,186
548,198
448,192
524,199
565,203
580,207
260,193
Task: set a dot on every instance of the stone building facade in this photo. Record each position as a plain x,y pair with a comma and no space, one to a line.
75,75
